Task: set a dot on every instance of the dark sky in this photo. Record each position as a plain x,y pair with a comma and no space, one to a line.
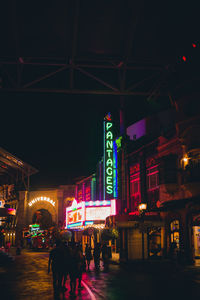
61,135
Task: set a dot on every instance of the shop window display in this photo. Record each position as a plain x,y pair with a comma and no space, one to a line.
154,238
174,228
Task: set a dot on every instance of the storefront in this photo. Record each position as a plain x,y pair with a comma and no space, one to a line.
7,234
141,237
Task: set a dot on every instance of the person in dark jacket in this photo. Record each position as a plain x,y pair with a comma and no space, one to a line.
56,258
88,255
76,268
105,257
66,264
97,252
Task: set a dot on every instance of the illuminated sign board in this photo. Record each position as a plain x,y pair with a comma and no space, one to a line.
97,213
75,213
4,212
41,199
108,157
75,216
79,214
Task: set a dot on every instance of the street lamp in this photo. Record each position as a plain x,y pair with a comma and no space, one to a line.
142,208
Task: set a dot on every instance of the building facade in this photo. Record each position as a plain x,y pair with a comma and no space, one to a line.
162,175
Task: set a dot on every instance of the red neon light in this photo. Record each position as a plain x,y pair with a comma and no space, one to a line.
194,45
134,213
108,117
184,58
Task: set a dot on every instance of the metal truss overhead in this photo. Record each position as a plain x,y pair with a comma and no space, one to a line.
111,77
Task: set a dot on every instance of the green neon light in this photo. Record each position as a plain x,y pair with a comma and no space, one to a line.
119,142
108,159
35,225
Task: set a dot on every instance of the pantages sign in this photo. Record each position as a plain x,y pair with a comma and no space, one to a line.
108,157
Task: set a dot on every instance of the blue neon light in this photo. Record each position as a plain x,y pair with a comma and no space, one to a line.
115,183
95,203
89,223
74,224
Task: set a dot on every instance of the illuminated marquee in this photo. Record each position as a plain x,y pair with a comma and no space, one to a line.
75,214
83,213
41,199
94,213
108,157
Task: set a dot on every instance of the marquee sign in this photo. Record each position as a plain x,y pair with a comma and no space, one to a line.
47,199
86,212
108,157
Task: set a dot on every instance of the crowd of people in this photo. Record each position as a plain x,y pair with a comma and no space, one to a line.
67,260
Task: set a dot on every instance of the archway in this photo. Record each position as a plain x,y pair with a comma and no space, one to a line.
43,218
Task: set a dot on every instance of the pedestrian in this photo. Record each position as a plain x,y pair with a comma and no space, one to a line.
172,251
8,245
56,258
97,252
80,262
66,264
88,255
73,270
105,257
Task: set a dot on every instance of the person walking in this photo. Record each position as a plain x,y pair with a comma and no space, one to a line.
105,257
56,258
88,255
66,264
97,252
8,245
73,270
80,261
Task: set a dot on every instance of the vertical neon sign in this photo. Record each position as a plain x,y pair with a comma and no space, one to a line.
108,157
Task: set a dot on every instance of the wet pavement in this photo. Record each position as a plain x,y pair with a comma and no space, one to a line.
27,278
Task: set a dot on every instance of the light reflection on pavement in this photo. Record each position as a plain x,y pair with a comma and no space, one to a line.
28,279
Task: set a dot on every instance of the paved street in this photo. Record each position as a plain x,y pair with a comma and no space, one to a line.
27,278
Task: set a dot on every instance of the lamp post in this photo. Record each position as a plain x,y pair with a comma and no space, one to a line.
142,208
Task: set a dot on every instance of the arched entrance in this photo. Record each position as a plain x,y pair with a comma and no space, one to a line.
43,217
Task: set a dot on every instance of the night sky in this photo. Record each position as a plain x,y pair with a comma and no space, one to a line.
62,135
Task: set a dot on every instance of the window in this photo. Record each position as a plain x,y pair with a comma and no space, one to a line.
135,195
152,178
174,228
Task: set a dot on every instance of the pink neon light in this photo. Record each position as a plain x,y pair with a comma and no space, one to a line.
90,213
113,207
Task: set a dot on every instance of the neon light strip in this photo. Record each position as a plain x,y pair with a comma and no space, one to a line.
115,191
113,207
104,154
74,224
69,209
89,223
98,203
